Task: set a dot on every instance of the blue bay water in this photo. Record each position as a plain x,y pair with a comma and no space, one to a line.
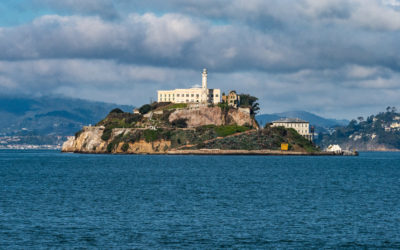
54,200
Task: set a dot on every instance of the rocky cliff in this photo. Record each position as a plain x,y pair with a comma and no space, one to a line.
89,141
214,115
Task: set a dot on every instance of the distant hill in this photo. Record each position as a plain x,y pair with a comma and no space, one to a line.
315,120
43,116
377,132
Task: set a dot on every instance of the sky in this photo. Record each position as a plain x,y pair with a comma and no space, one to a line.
335,58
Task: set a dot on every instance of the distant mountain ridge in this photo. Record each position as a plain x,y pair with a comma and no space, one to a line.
313,119
59,116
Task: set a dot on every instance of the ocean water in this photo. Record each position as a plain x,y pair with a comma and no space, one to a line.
54,200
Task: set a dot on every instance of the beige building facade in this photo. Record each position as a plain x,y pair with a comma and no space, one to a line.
232,99
193,95
302,127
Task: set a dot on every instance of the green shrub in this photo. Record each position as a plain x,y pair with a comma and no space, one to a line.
151,135
77,134
145,109
110,147
223,131
156,105
106,134
166,114
133,137
116,111
179,123
178,106
133,118
125,147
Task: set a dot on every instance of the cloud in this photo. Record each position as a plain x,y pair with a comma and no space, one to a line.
103,8
181,41
335,56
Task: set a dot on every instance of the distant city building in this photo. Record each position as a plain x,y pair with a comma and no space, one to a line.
193,95
395,125
232,99
302,127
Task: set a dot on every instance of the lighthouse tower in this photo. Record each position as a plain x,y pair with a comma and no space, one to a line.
204,94
204,79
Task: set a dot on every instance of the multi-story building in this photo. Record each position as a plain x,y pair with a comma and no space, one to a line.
232,99
193,95
302,127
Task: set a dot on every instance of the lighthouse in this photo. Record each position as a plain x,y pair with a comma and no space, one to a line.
204,79
204,89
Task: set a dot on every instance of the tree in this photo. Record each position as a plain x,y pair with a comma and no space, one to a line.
180,123
360,119
251,102
145,109
116,111
388,109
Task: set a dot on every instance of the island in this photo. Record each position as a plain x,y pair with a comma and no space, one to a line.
180,129
199,121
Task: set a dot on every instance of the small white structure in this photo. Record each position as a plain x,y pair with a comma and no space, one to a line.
196,94
302,127
395,125
335,149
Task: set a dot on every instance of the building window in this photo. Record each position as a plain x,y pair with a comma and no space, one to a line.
177,95
187,95
192,95
197,95
216,95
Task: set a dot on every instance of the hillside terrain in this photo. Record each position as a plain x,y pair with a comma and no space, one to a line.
377,132
163,127
47,120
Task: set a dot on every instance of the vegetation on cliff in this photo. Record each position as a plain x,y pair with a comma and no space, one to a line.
268,138
248,101
381,131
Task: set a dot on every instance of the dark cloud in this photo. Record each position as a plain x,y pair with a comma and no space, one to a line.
335,56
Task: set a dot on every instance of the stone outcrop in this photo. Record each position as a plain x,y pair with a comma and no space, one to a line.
215,116
89,141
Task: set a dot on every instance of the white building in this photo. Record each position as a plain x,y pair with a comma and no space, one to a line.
302,127
395,125
334,148
193,95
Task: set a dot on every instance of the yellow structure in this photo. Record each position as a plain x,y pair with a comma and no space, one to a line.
284,147
193,95
232,99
